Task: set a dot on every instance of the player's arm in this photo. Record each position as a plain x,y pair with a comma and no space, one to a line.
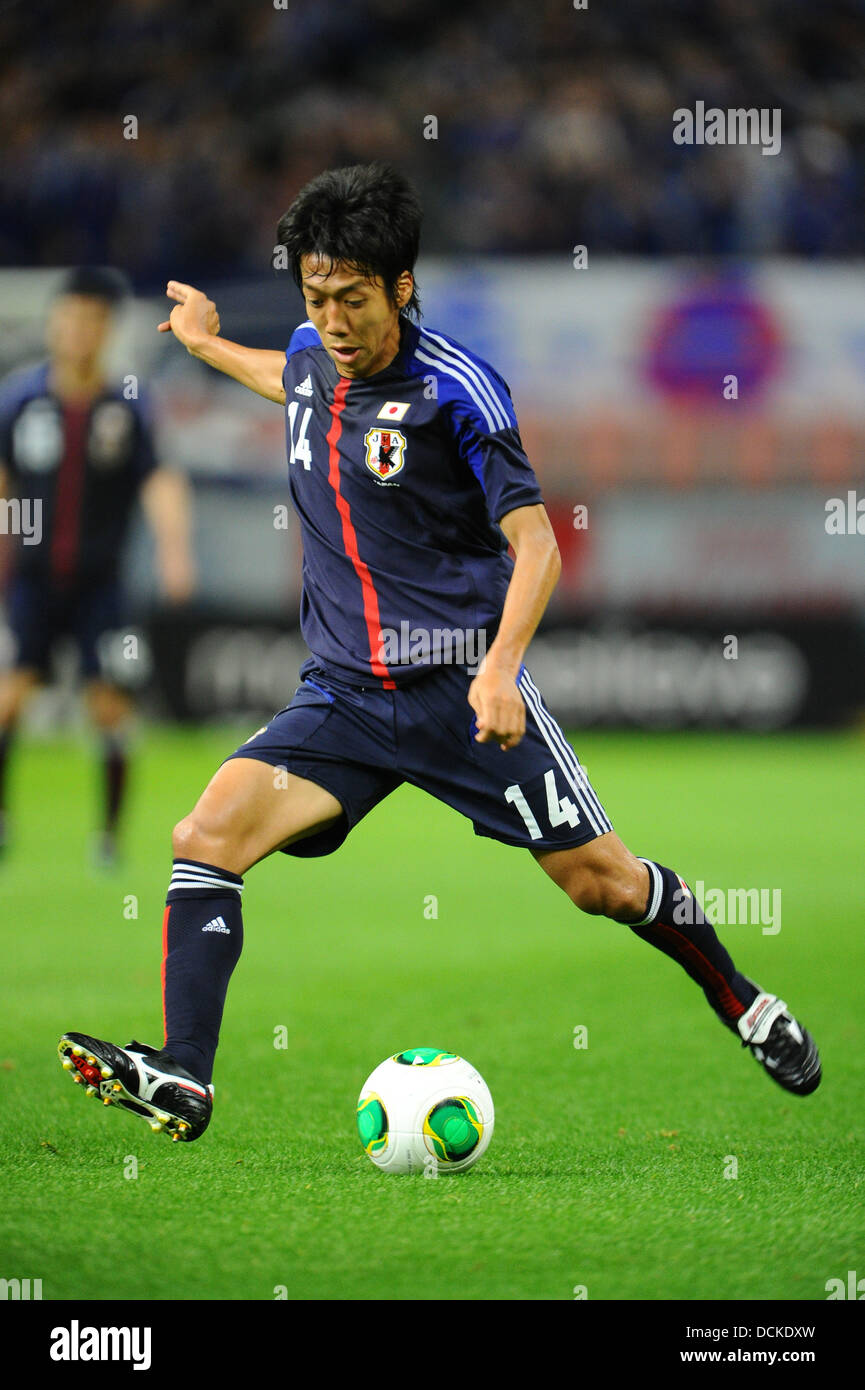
493,694
195,323
165,502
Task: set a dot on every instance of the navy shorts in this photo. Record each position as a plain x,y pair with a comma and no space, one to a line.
360,744
40,611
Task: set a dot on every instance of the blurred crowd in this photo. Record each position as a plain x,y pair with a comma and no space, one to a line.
553,125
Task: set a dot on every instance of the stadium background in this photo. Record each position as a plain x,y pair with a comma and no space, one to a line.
705,515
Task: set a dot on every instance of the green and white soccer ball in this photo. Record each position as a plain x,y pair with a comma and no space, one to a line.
424,1110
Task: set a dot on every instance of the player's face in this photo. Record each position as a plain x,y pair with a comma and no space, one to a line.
356,319
78,328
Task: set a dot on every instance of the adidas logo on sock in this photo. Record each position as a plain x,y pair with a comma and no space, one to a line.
217,924
305,387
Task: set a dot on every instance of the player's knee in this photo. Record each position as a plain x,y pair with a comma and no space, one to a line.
15,689
602,897
191,840
110,707
626,901
620,896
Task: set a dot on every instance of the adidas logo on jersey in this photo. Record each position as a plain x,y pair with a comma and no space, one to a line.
217,924
305,387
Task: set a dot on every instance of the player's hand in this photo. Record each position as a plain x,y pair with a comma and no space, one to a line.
194,316
500,710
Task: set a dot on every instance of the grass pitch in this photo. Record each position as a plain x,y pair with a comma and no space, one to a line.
611,1168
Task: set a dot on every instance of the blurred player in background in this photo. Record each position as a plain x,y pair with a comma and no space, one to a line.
78,455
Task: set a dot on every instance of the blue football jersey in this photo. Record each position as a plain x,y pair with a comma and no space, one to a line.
83,466
399,480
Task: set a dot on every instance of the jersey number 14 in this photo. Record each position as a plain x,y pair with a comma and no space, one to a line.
299,450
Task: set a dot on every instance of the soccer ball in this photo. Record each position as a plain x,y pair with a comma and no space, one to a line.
425,1110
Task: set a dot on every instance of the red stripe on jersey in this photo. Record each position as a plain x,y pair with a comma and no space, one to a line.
733,1007
165,916
349,538
66,522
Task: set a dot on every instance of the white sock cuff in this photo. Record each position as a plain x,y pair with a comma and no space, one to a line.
188,875
656,888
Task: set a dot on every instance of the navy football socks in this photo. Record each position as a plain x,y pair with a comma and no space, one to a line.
675,924
114,768
202,941
203,938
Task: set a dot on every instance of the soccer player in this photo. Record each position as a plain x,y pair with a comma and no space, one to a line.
79,454
409,479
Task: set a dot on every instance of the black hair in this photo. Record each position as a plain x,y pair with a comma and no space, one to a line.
96,282
366,216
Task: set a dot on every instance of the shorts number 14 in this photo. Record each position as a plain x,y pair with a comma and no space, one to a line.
561,809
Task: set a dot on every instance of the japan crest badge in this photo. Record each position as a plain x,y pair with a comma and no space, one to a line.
385,452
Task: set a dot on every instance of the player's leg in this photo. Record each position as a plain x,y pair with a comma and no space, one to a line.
248,810
299,784
110,710
604,878
537,795
16,687
97,613
34,618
